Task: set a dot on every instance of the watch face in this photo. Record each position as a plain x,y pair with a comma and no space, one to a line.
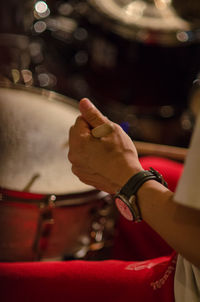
124,209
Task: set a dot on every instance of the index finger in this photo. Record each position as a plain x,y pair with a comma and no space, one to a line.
81,126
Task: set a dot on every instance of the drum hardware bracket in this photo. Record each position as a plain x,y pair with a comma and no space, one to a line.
101,232
44,227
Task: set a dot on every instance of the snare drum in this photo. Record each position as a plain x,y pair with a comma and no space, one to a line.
46,212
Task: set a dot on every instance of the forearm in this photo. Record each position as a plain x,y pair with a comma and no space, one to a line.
178,225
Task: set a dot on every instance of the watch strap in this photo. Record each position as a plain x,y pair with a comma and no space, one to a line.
127,194
135,182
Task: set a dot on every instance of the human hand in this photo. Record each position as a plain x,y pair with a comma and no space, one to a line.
105,163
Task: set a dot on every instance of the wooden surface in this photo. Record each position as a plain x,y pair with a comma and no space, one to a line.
172,152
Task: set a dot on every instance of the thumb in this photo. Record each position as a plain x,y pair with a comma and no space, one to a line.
91,114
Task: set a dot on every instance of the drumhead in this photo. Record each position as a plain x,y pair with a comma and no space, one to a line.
33,141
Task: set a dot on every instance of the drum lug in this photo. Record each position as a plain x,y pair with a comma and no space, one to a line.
98,243
44,226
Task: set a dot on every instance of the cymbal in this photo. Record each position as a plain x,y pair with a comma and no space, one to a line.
149,21
34,127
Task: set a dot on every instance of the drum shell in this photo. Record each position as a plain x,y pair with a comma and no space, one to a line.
25,237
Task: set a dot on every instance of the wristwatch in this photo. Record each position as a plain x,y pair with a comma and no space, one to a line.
126,198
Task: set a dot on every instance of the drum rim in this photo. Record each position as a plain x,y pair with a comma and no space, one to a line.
48,94
72,199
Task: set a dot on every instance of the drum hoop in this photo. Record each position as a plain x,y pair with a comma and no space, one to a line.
71,199
48,94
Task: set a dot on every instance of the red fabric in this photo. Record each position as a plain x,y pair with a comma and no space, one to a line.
116,281
112,280
171,170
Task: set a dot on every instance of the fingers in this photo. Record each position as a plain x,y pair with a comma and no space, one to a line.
80,127
78,135
91,114
102,130
81,124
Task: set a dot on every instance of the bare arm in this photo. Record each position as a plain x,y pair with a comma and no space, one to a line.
109,162
177,224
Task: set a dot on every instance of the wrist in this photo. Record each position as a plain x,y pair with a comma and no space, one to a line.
127,198
123,178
